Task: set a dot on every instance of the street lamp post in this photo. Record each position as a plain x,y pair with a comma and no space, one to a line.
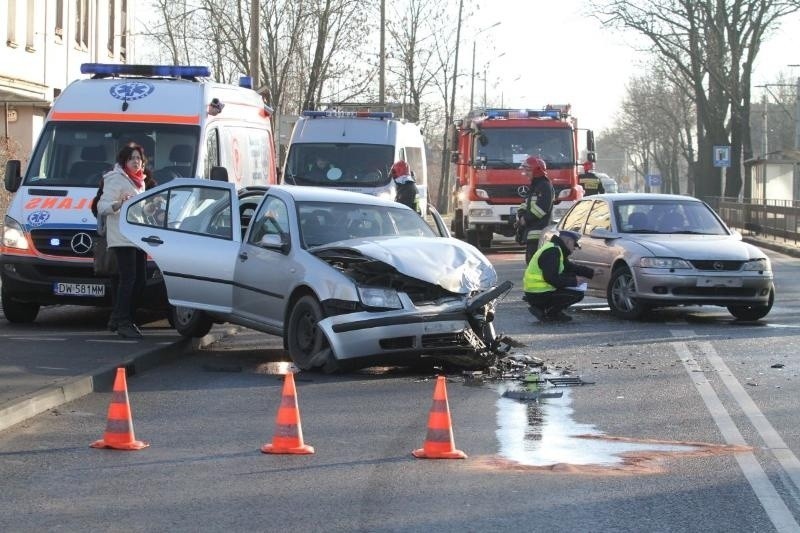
472,85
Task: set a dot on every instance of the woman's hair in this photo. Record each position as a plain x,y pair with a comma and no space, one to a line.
127,151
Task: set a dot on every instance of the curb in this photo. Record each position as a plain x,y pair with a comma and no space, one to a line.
785,249
102,379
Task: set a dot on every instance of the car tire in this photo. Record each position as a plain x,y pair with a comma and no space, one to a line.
620,295
305,340
19,312
750,313
189,322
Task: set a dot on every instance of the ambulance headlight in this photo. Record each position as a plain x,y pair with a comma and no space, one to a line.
13,234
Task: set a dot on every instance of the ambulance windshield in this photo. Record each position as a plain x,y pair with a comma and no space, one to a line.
509,147
339,164
77,154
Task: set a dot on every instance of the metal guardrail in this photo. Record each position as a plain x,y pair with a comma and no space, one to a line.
774,218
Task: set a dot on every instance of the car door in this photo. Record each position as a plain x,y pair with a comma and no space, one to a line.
268,265
187,228
597,253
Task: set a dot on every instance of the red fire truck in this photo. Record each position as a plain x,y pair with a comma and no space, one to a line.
488,147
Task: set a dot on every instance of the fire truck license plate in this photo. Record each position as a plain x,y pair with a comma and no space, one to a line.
94,290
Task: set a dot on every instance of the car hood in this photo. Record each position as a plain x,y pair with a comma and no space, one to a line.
449,263
721,247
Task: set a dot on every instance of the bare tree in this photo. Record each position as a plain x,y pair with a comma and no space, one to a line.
712,45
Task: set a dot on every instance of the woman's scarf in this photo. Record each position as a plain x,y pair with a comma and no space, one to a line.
137,177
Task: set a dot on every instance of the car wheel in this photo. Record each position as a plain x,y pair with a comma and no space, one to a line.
621,295
190,322
19,312
306,341
752,312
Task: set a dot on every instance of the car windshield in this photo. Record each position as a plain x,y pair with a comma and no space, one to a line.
339,164
326,222
509,147
667,216
77,154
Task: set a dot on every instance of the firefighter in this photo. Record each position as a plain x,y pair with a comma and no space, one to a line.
551,282
534,213
407,193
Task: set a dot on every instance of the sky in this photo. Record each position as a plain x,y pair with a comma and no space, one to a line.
550,52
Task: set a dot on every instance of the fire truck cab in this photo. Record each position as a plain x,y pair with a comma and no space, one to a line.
488,147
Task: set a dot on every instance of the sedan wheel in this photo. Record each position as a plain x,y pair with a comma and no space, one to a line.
190,322
621,295
752,312
306,341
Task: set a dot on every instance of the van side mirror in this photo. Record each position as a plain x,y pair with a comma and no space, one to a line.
13,175
219,174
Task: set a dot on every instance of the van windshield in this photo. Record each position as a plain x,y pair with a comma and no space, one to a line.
77,154
509,147
339,164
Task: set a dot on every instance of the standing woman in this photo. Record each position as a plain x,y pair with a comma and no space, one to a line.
125,180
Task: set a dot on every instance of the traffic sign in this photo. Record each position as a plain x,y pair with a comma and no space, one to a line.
722,156
654,180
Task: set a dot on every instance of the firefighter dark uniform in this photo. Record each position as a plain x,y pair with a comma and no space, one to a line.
407,192
535,212
549,276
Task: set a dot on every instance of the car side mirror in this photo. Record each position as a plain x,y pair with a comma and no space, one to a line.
602,233
272,241
13,175
219,174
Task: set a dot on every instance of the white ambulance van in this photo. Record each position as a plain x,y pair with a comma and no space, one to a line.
353,151
188,125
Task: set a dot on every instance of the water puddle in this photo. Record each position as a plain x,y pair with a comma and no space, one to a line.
542,435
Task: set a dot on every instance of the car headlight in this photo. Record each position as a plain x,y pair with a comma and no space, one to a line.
13,234
375,298
477,213
762,265
663,262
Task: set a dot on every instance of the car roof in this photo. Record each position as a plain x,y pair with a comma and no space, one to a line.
303,193
628,196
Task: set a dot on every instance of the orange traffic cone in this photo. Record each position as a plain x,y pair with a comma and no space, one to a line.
119,428
288,436
439,441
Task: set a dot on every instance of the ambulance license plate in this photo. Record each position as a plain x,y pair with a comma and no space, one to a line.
92,290
719,282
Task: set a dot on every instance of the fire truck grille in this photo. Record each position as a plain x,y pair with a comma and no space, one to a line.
503,194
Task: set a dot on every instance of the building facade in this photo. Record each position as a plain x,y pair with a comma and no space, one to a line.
42,46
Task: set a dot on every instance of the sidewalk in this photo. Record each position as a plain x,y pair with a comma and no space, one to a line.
32,383
772,243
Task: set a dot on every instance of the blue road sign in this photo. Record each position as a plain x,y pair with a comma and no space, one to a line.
722,156
654,180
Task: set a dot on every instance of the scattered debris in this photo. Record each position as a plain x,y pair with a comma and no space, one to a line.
567,381
777,365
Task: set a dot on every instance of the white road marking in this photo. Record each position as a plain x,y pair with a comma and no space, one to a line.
776,509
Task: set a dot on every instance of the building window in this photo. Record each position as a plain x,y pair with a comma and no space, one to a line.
11,23
30,28
82,24
123,30
59,29
111,28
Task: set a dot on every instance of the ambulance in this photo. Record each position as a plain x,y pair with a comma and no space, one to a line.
353,151
188,125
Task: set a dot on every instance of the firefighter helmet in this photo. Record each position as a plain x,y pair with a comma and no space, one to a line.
536,165
400,168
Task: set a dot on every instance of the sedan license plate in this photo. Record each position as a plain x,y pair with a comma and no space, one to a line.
719,282
92,290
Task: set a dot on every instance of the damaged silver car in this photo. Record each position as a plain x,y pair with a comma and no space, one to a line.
345,278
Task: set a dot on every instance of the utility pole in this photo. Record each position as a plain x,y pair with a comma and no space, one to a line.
255,41
382,74
444,185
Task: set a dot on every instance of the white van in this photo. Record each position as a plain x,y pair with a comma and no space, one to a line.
353,151
188,126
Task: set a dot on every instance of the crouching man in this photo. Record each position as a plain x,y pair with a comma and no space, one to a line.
551,282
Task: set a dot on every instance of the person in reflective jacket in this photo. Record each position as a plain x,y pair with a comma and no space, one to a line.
535,212
552,282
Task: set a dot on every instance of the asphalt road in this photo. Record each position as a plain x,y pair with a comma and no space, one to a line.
705,420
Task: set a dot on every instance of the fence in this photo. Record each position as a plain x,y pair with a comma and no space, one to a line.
773,218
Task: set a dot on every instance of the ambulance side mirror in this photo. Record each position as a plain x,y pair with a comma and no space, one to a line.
13,175
219,174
